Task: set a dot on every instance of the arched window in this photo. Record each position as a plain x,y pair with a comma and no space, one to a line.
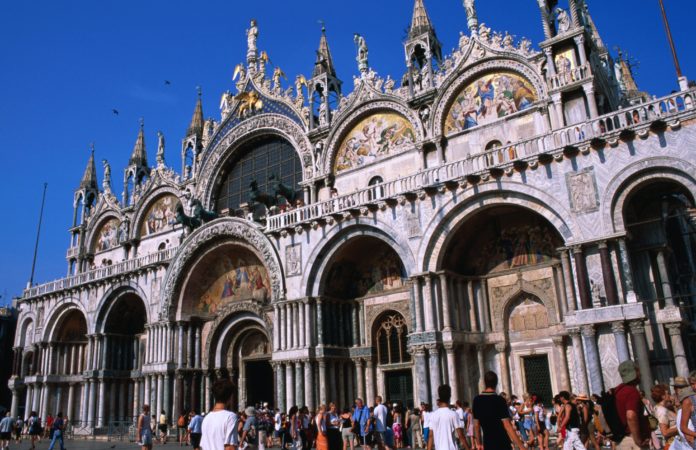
258,161
377,192
390,340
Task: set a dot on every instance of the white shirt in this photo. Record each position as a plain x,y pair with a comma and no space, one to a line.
460,417
219,429
443,422
381,418
426,419
276,419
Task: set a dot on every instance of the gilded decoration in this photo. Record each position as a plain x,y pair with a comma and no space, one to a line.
376,270
232,275
516,247
160,216
489,98
107,237
374,137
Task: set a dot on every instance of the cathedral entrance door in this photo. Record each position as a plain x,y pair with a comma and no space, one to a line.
259,382
537,377
399,387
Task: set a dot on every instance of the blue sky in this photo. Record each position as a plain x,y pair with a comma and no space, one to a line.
66,64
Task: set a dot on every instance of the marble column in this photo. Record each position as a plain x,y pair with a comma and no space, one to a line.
167,395
417,303
113,384
299,383
619,331
135,406
435,372
309,385
309,341
369,380
484,306
180,346
583,283
58,406
45,395
579,360
501,348
15,403
290,384
446,309
473,321
84,400
101,415
591,100
36,398
608,275
92,408
678,352
302,327
71,401
322,382
481,363
360,376
198,348
429,305
452,371
282,324
594,364
640,350
664,277
560,350
28,400
625,268
276,328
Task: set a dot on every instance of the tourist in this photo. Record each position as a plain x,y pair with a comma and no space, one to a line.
19,425
492,417
6,425
397,428
687,421
540,419
666,417
181,429
163,422
444,423
425,421
415,430
48,430
57,428
194,429
570,423
527,418
332,427
347,435
630,409
361,416
380,415
250,430
320,421
219,428
144,432
34,427
265,428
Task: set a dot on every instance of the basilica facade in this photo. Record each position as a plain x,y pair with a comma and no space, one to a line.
502,207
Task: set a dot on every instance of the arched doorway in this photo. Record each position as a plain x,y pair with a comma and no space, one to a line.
123,327
390,338
494,261
362,278
67,345
660,221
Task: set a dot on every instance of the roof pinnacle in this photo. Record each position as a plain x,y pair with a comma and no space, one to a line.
89,178
139,155
324,63
420,23
196,126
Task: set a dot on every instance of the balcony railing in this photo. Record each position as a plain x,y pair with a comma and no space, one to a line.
568,77
101,273
667,108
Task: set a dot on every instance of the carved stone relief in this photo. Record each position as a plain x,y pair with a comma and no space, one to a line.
582,191
293,260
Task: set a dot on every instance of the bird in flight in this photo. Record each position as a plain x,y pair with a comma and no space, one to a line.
167,82
115,111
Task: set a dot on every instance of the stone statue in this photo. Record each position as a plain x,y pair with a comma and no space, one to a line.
277,75
106,183
508,42
525,45
362,53
484,32
596,294
563,20
463,40
323,113
252,36
123,230
160,148
471,18
389,85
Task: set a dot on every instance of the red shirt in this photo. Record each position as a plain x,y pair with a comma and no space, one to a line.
628,399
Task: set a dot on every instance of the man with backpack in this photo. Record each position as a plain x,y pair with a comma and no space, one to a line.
629,409
57,431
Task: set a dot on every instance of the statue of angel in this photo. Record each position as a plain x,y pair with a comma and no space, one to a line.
252,35
277,75
563,20
362,52
160,148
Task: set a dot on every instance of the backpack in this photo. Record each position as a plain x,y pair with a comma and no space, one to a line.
616,431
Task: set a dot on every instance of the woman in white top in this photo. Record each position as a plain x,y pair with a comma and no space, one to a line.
144,429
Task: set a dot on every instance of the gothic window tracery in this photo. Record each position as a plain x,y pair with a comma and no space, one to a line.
390,340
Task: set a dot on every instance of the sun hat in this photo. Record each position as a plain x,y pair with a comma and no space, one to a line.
628,371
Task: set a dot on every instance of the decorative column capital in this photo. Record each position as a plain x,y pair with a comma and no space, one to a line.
602,244
588,330
674,329
558,340
417,350
432,348
501,347
573,332
579,39
637,327
449,347
618,327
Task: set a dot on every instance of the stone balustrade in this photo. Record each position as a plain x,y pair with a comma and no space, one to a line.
569,77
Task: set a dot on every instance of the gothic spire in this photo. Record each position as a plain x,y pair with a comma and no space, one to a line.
420,23
139,155
196,126
89,179
324,63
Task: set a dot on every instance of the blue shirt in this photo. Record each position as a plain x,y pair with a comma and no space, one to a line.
361,416
195,424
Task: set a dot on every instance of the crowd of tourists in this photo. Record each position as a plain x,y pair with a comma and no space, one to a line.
621,419
34,428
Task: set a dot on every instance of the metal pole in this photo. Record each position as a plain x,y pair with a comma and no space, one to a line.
38,233
669,38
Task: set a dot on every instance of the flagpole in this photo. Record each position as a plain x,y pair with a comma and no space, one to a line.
38,233
680,76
